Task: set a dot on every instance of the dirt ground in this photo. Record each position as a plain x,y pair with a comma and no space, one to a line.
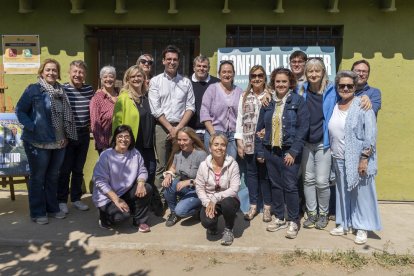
47,260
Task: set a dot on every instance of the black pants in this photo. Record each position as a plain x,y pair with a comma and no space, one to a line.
228,207
138,207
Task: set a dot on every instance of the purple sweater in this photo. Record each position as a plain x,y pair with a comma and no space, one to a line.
220,108
117,172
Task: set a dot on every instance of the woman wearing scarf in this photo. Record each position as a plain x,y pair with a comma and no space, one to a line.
45,113
352,133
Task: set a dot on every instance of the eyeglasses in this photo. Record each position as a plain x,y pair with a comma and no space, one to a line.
260,76
123,137
297,62
365,72
349,86
144,61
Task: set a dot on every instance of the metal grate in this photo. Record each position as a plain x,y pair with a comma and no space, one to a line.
121,47
281,35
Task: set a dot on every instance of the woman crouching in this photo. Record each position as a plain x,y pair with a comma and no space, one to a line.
217,184
119,179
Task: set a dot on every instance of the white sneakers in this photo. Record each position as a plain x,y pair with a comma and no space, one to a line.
338,231
361,237
77,204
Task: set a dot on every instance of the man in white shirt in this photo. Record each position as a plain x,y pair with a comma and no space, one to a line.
172,103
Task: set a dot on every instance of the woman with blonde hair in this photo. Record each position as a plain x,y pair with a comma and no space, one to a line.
132,108
256,173
187,154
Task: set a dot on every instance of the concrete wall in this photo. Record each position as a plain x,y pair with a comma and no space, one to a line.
385,39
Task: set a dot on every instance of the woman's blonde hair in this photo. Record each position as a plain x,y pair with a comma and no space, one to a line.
132,94
318,63
249,86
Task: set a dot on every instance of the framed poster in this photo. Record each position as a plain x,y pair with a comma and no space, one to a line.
21,54
13,160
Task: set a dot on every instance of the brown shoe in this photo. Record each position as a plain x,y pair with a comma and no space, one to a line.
251,214
267,215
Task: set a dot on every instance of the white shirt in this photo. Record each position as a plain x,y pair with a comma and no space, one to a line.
171,97
336,129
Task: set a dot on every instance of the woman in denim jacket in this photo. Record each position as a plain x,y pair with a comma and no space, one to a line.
45,113
286,123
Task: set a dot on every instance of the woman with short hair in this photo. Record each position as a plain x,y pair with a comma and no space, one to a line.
286,123
120,188
102,108
352,133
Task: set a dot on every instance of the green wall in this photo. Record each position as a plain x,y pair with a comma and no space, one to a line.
385,39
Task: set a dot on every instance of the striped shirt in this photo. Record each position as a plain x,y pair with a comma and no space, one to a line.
79,100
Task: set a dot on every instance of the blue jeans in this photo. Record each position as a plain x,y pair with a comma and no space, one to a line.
284,181
75,158
231,146
44,173
189,203
257,182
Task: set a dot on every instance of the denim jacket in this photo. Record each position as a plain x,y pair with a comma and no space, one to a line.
295,125
330,98
34,113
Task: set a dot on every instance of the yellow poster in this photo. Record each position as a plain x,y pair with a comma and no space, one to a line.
21,54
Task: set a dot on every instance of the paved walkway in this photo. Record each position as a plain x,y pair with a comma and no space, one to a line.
81,229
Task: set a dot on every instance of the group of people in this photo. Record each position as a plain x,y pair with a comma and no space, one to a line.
177,142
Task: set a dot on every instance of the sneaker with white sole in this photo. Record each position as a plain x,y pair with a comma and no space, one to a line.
64,208
41,220
276,225
292,231
361,237
58,215
338,231
144,228
80,205
228,237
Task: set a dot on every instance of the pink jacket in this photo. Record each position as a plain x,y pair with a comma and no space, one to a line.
229,181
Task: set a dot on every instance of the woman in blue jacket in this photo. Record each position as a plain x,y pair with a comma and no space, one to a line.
45,113
286,123
320,97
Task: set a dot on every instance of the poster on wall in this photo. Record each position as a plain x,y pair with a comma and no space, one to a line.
21,54
270,58
13,160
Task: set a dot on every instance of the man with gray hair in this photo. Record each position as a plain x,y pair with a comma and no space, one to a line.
200,80
79,95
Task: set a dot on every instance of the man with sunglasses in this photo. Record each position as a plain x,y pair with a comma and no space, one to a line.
172,103
362,69
145,62
200,80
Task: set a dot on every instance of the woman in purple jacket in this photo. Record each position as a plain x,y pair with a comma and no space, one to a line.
219,107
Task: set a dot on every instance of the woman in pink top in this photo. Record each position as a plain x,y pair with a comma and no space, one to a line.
217,184
102,107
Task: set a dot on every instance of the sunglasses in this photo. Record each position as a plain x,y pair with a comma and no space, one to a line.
349,86
144,61
226,61
260,76
317,58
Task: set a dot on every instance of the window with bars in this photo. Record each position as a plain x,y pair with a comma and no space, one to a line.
282,35
121,47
